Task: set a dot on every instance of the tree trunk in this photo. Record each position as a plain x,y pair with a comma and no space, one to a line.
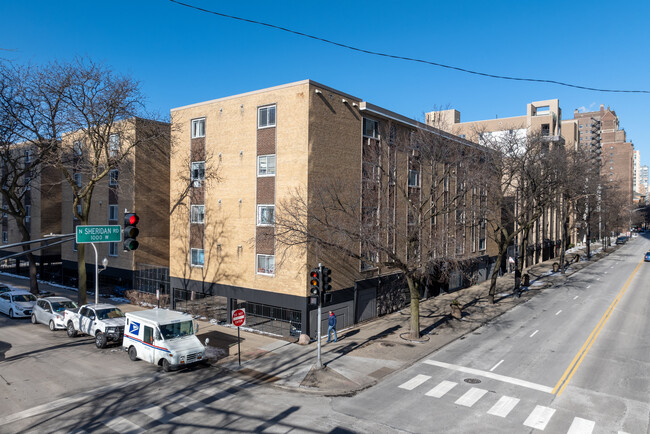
415,308
33,281
81,271
565,234
495,273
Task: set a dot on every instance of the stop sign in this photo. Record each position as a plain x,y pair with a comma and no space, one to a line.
238,317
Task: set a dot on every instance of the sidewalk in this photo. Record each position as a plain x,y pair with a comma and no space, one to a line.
365,353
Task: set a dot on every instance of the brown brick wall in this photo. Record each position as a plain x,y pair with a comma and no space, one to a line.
266,190
265,240
196,235
266,141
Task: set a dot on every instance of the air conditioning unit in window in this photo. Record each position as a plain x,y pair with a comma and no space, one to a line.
196,183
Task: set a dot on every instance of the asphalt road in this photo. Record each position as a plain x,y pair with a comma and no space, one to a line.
573,359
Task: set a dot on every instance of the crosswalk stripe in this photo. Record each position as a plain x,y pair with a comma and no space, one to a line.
190,403
441,389
539,417
581,426
157,413
414,382
503,406
123,426
471,396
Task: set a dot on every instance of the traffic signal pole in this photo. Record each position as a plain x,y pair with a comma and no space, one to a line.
319,363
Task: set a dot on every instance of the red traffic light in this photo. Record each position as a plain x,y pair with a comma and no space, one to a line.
131,219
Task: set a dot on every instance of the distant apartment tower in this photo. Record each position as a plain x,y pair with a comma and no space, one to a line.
636,171
643,182
617,160
141,185
249,154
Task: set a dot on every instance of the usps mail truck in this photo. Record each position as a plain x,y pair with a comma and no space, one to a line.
163,337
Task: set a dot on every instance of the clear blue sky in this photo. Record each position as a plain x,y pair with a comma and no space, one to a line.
182,56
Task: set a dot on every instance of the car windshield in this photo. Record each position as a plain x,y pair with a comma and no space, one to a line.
60,306
24,297
177,330
109,313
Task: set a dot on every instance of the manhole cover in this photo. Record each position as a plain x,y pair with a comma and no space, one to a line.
472,380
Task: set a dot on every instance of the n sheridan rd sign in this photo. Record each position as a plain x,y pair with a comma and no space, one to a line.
99,234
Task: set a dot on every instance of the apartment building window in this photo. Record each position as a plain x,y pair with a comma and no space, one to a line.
28,182
414,178
112,177
546,129
198,214
370,128
112,212
265,215
197,258
77,179
112,249
266,264
5,238
198,128
113,145
28,156
198,170
28,213
77,148
266,165
266,117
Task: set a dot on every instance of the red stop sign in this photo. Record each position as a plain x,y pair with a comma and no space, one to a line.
238,317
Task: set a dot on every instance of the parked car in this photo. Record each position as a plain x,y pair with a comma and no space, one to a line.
6,288
621,240
647,257
17,303
50,311
104,322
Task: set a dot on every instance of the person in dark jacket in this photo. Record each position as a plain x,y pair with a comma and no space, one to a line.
331,326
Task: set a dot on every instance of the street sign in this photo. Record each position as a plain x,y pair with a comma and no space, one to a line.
239,317
99,234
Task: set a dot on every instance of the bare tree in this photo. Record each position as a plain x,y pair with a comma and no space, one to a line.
82,116
412,213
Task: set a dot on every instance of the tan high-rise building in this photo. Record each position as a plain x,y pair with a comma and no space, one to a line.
250,154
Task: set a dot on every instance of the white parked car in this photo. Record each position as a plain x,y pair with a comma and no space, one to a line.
50,311
18,303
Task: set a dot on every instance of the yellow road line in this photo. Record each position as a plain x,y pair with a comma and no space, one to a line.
579,357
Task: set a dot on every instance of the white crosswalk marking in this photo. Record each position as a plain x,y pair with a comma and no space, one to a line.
414,382
581,426
441,389
123,426
157,413
190,403
539,417
471,396
503,406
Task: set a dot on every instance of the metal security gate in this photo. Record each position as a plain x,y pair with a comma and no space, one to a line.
366,304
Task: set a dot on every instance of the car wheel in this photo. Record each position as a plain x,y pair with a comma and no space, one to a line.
133,354
71,331
11,313
52,326
100,340
33,319
166,366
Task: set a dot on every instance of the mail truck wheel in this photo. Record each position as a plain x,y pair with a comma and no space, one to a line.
166,366
33,319
71,331
52,326
100,340
133,354
11,313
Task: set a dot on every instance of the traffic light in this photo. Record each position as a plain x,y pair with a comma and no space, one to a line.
314,281
130,231
326,285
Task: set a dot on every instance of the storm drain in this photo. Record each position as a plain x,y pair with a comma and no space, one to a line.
472,380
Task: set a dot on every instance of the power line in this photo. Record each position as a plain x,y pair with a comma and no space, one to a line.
410,59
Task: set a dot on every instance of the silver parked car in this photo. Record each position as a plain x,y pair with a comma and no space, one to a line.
50,310
18,303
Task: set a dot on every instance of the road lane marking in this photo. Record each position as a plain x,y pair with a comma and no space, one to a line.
588,286
414,382
191,403
503,406
581,426
492,375
534,333
495,366
579,357
123,426
471,396
158,413
597,278
605,272
442,388
540,417
558,312
576,297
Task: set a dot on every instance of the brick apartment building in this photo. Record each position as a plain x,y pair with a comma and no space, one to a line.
543,118
248,154
140,185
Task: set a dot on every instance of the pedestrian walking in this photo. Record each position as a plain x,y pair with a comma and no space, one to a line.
331,323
